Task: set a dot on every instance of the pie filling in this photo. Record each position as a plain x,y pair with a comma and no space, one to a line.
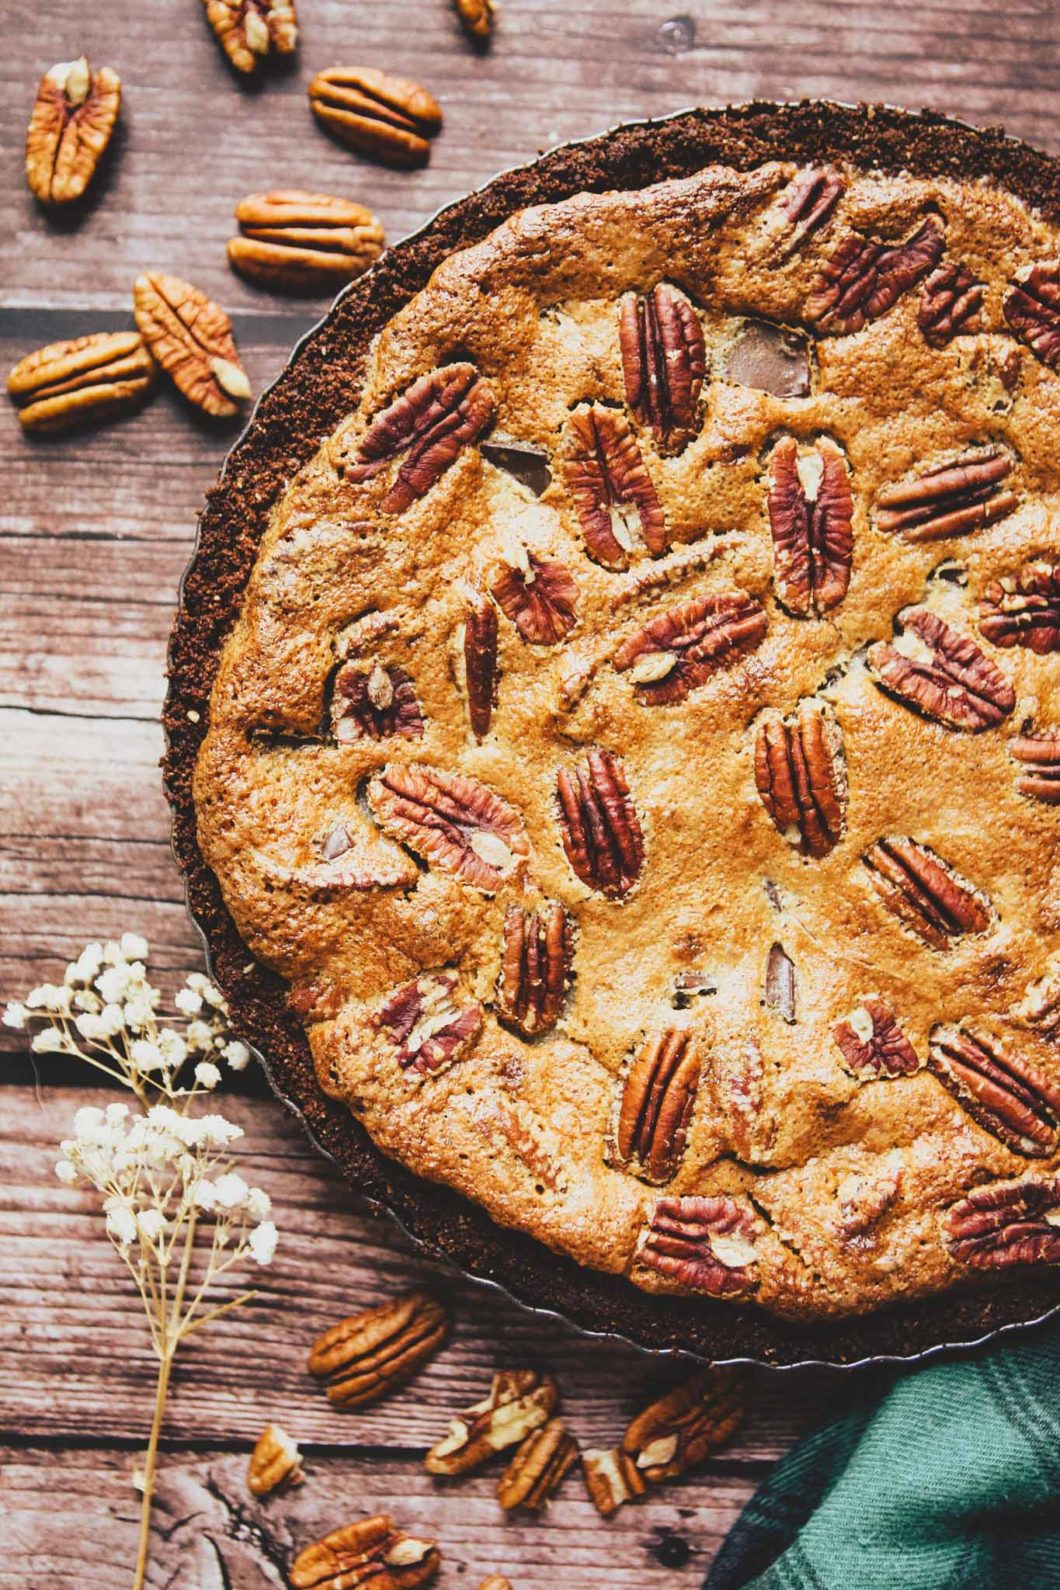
639,747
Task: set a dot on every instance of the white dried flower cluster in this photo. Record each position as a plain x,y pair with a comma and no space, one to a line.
108,1012
156,1171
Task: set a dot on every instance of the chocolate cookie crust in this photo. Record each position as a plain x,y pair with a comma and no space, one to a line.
307,404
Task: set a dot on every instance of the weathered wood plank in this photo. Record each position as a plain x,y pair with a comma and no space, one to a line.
72,1515
73,1348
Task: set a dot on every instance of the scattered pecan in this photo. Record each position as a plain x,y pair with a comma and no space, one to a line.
303,240
480,664
428,1029
275,1463
519,1401
1007,1224
664,360
535,968
681,1429
374,703
950,305
611,488
864,1199
369,1355
1039,755
656,1104
539,595
599,824
950,500
810,519
538,1467
780,986
873,1044
807,204
1032,309
82,381
611,1478
476,18
368,1555
1002,1091
452,821
69,129
769,358
386,118
1023,609
924,892
705,1244
191,338
682,646
941,673
800,777
438,415
864,279
249,30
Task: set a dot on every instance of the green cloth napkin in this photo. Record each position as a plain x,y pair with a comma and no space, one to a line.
948,1480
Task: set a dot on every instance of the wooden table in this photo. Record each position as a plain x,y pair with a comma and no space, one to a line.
93,536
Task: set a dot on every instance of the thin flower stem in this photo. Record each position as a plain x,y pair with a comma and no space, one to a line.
215,1313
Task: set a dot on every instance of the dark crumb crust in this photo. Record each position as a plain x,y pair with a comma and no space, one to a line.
316,390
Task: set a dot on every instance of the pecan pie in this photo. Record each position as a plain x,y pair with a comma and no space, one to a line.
618,780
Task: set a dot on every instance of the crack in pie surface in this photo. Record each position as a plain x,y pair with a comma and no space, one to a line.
666,861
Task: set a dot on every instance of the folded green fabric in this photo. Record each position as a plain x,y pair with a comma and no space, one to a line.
947,1478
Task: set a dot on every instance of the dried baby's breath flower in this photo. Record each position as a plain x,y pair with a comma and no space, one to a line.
162,1172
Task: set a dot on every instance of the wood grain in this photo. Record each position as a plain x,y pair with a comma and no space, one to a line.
94,530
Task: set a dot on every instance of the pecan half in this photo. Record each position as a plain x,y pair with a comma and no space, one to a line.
1023,609
480,665
1040,1009
705,1244
249,30
82,381
941,673
1009,1223
1002,1091
537,1468
476,19
601,831
427,1028
69,129
519,1401
275,1463
810,519
800,777
303,240
1039,755
438,415
950,500
611,488
682,646
539,595
864,279
535,968
655,1107
611,1478
368,1555
807,203
452,821
1032,309
681,1429
374,703
191,338
664,361
386,118
924,892
873,1044
950,305
367,1356
781,988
